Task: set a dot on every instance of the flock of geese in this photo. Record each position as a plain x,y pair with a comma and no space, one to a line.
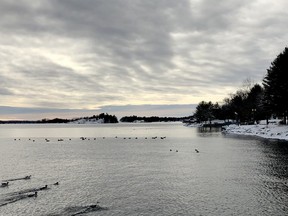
34,191
116,137
87,138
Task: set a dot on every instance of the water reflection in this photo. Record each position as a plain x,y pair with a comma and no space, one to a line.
271,181
275,153
208,131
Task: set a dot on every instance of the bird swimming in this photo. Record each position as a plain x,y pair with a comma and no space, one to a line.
5,184
33,195
43,188
27,177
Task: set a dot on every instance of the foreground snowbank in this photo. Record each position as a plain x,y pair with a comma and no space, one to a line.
271,131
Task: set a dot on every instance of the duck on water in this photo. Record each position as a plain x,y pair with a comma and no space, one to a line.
44,188
4,184
16,179
33,194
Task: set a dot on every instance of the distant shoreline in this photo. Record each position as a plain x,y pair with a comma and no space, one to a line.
95,119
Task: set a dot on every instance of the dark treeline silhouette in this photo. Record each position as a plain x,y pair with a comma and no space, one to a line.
151,119
253,102
105,116
19,122
55,120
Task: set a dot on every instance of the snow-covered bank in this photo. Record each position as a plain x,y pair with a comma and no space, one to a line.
193,124
271,131
213,123
87,121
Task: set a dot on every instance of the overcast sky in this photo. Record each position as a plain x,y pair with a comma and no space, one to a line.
90,54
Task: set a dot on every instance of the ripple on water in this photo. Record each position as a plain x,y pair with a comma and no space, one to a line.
79,210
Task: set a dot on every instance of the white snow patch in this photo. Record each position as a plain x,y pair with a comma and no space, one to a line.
193,124
87,121
271,131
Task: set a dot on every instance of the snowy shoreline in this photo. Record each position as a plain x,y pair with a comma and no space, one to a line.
271,131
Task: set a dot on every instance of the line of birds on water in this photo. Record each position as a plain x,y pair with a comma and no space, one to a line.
196,150
116,137
86,138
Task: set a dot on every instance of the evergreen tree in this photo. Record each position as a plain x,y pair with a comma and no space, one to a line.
276,85
255,103
204,111
246,105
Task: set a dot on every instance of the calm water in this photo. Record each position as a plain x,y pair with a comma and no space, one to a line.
126,174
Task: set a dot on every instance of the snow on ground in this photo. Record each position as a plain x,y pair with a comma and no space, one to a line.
271,131
87,121
193,125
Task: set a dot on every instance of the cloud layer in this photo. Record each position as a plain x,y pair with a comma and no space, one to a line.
24,113
86,54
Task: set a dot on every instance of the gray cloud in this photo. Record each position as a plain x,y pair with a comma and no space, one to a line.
91,53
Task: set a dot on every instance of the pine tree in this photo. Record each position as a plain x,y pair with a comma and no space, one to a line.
204,111
276,85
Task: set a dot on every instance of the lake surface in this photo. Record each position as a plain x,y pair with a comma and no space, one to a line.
123,169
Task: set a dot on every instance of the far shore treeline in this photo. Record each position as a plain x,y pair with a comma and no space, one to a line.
151,119
253,102
103,118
